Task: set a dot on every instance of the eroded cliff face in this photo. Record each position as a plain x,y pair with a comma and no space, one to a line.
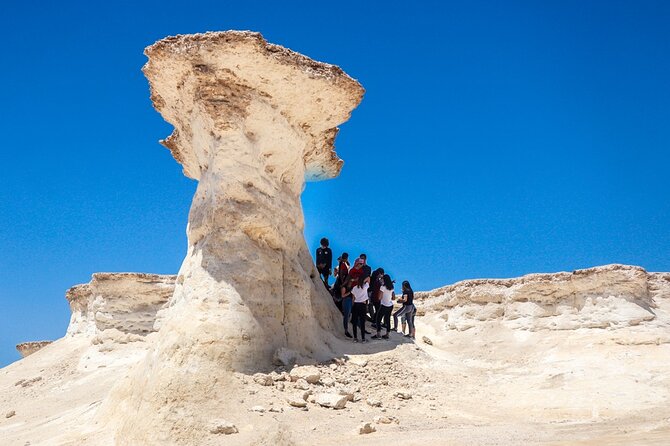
603,297
120,307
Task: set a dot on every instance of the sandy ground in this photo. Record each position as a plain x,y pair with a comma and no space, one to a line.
485,386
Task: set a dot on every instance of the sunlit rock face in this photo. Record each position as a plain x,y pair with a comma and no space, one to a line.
123,306
252,122
603,297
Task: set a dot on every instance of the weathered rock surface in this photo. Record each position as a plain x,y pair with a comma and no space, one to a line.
309,373
530,386
579,357
297,401
252,122
28,348
332,400
122,305
603,297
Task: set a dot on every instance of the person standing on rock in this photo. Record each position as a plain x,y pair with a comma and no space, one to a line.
324,261
407,309
347,304
385,307
360,293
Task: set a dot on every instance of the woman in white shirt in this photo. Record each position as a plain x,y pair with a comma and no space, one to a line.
360,293
386,307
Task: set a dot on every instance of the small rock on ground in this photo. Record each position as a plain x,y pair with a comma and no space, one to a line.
297,401
366,428
307,372
373,402
301,384
385,419
331,400
403,394
263,379
224,427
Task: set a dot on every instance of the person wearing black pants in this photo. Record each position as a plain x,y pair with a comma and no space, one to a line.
358,319
359,310
385,307
376,281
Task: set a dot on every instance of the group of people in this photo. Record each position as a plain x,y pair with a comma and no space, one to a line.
362,294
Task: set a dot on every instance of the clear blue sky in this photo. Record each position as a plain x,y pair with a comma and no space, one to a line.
495,139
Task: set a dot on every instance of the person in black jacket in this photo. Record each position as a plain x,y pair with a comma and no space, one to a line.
324,261
367,271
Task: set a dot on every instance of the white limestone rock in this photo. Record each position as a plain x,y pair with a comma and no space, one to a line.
610,296
252,123
263,379
118,306
331,400
309,373
297,401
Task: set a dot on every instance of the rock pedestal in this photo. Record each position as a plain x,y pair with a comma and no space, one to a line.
252,122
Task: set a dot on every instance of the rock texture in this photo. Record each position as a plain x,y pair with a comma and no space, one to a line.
209,357
28,348
253,122
602,297
123,306
496,382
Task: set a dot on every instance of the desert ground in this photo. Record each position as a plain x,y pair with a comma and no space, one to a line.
473,376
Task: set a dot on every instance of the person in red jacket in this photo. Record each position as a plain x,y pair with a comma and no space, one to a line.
357,271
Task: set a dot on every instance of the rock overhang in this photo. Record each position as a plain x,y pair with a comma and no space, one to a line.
224,73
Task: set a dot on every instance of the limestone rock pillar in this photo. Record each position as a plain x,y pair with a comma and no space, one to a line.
252,122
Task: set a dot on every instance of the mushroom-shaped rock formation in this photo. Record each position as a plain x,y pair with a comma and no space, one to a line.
252,122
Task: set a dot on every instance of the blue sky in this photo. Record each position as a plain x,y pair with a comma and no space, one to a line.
495,139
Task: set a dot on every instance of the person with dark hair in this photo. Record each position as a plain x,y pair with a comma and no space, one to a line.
360,293
367,271
376,281
324,261
385,307
343,267
407,309
347,303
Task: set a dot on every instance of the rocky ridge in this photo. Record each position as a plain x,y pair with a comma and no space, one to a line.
602,297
